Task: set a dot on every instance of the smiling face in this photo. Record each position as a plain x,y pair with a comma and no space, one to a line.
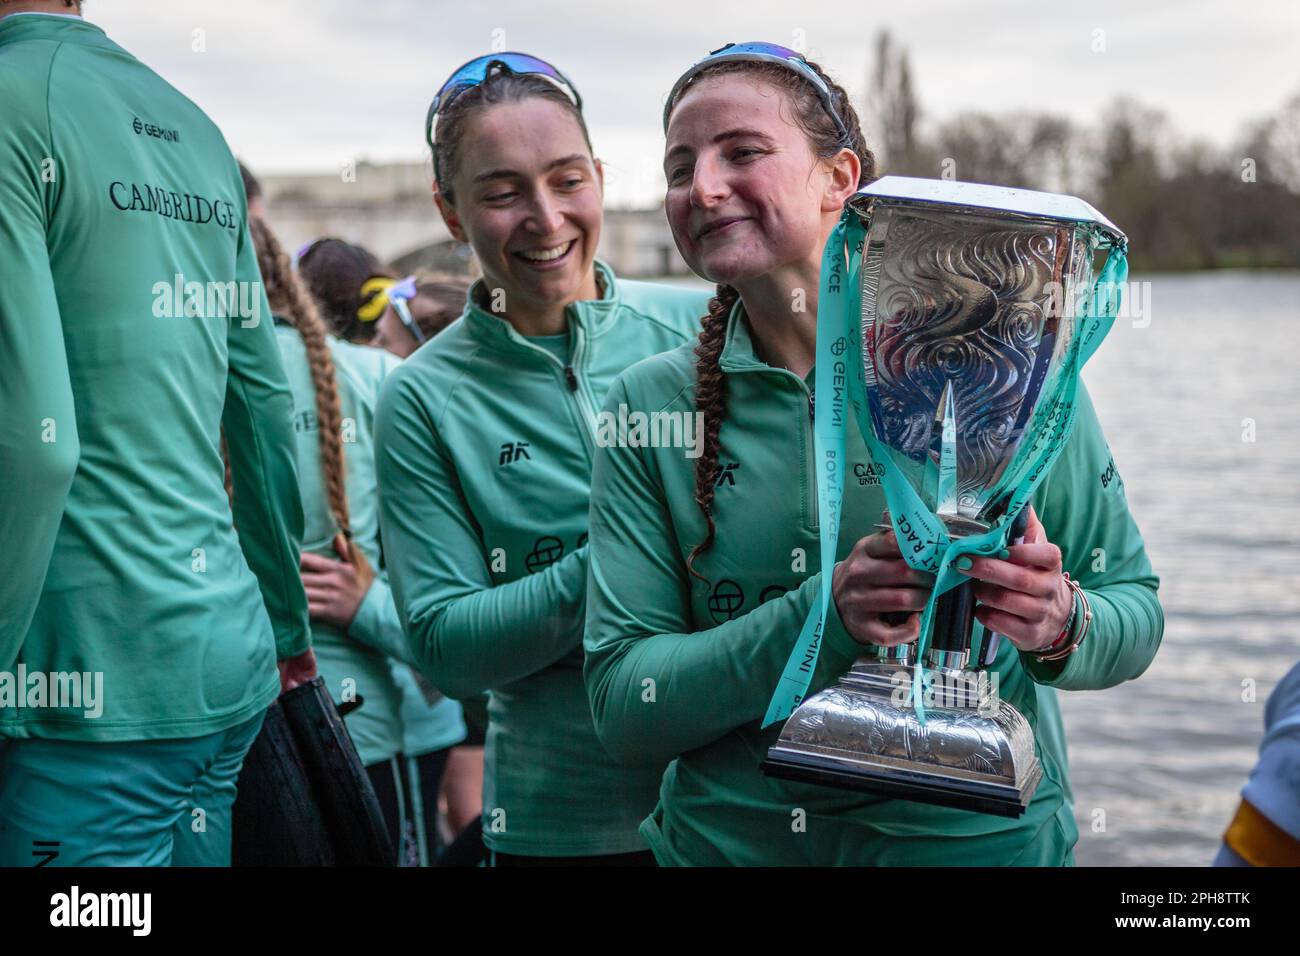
528,199
746,194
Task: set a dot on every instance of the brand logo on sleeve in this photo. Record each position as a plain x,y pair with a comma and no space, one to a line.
727,476
157,132
512,451
1110,474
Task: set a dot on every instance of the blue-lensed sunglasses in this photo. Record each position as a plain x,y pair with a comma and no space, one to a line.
479,69
763,53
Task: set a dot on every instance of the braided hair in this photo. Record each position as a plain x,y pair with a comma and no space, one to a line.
711,386
288,297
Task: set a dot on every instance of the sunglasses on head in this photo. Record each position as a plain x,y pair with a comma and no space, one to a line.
480,68
398,295
763,53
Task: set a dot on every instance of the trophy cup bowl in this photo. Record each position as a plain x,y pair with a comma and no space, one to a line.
969,303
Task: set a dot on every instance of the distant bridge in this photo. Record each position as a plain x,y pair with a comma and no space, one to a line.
394,230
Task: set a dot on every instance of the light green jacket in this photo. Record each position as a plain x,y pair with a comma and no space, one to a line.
713,654
121,561
485,448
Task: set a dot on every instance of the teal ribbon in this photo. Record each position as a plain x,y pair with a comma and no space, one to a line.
922,537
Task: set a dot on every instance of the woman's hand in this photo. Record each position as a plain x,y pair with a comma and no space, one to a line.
297,670
334,588
878,595
1025,596
462,786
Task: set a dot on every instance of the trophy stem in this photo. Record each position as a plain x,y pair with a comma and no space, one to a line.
899,655
954,617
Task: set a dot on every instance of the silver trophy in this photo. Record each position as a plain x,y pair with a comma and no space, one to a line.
970,296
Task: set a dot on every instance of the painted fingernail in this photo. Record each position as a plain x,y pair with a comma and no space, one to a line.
1004,554
964,564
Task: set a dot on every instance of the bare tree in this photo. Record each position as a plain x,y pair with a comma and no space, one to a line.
893,111
1184,205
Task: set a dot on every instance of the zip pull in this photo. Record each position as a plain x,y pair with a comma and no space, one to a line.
571,378
812,407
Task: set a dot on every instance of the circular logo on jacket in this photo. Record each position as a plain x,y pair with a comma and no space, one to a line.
546,551
725,601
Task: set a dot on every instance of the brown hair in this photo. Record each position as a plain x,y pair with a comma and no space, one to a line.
439,300
497,88
334,272
711,386
289,298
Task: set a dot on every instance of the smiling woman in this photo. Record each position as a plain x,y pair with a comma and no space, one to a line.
485,442
702,572
534,162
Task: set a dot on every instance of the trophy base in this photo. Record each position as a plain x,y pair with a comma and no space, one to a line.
975,752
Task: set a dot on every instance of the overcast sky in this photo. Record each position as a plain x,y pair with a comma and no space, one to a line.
308,85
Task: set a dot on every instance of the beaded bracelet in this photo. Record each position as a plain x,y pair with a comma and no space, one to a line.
1072,646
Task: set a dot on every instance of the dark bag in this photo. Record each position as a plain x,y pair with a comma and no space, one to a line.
308,782
276,819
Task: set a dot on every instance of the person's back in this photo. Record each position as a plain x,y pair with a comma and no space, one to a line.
167,339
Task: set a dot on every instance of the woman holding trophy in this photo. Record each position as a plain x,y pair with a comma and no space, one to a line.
702,570
485,441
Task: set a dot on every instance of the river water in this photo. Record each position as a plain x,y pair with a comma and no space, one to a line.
1157,764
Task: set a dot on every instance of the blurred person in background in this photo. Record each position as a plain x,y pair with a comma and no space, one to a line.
418,309
348,284
1266,828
